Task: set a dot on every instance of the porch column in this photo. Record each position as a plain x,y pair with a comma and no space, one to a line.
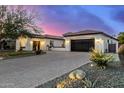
67,44
99,44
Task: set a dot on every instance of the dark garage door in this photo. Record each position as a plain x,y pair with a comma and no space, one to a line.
82,45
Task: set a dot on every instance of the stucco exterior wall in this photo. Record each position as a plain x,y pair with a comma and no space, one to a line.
17,45
22,42
57,44
27,43
100,41
58,49
111,41
96,37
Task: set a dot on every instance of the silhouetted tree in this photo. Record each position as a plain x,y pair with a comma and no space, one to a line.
3,12
121,38
15,21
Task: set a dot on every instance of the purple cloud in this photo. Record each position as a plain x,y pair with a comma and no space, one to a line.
119,16
72,18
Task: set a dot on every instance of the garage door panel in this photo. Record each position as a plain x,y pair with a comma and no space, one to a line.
82,45
112,48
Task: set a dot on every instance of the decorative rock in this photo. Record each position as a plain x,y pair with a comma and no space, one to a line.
80,74
72,75
77,74
1,58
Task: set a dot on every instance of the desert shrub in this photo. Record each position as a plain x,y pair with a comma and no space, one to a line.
121,49
100,58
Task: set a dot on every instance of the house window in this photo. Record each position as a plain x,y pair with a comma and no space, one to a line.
51,43
108,41
111,42
63,44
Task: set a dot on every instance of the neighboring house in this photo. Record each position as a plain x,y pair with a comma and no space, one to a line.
7,44
85,40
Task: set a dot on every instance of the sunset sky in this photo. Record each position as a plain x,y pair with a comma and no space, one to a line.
57,20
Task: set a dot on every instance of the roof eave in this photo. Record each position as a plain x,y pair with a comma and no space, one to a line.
91,34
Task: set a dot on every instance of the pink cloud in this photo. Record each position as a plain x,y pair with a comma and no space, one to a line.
51,29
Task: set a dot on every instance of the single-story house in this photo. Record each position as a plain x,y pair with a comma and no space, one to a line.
85,40
37,41
40,42
73,41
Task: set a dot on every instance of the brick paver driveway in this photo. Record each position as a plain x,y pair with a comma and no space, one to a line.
35,70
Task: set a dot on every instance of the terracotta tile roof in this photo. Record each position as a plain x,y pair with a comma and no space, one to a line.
36,36
86,32
53,37
46,36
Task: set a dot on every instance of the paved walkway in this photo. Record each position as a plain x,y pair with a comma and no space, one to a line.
35,70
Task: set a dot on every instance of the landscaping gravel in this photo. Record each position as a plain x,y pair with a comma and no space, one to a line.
112,76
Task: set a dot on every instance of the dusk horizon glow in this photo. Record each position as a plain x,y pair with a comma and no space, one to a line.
60,19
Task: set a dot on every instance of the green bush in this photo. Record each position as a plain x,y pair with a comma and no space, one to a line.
121,49
100,58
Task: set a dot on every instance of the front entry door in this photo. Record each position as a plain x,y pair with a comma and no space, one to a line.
36,45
